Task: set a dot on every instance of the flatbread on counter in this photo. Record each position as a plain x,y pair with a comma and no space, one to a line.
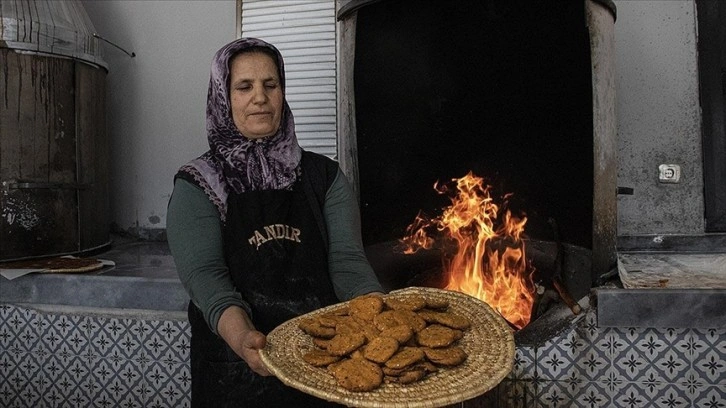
56,264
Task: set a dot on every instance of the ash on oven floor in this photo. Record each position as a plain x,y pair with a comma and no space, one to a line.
687,271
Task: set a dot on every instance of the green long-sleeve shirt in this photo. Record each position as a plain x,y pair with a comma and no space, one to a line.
194,233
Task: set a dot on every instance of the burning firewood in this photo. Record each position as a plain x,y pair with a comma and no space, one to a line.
566,297
556,278
489,260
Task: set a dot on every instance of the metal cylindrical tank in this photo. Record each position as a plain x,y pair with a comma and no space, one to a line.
53,142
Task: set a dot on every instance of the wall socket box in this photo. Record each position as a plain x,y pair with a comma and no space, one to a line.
669,173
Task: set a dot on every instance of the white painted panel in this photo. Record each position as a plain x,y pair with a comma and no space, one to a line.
304,32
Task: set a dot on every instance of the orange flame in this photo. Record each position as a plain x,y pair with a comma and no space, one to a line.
490,262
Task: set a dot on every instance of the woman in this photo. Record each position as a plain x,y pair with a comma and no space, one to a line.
260,230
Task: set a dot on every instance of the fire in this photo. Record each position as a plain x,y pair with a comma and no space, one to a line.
489,261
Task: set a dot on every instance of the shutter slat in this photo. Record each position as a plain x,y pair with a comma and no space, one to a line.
293,75
261,8
315,127
288,38
301,89
308,82
310,120
309,97
310,66
280,20
313,104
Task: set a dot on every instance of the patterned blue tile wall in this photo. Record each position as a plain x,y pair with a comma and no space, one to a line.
61,360
593,367
66,360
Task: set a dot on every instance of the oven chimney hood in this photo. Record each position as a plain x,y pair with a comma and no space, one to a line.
58,28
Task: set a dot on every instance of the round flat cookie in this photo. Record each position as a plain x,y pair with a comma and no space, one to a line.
448,356
381,349
401,333
405,357
344,344
366,307
319,358
437,335
357,375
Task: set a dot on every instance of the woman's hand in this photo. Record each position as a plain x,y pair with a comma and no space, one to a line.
237,330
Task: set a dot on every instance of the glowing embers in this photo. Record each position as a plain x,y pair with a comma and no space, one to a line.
484,254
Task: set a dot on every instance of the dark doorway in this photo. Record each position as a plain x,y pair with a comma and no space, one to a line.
502,89
712,78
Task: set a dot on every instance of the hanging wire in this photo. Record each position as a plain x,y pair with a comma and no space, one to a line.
130,54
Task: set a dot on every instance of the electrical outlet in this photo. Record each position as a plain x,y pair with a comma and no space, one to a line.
669,173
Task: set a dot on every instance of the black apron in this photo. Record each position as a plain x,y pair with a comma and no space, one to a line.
276,251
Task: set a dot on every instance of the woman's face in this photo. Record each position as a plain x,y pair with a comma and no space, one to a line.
255,94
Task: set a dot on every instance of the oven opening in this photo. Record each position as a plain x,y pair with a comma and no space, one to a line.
499,92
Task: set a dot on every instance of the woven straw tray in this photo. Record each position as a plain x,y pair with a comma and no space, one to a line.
489,343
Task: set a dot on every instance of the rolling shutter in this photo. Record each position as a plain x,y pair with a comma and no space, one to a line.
304,32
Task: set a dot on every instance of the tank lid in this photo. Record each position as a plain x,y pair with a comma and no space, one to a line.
50,27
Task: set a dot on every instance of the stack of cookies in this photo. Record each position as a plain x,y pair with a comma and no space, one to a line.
393,339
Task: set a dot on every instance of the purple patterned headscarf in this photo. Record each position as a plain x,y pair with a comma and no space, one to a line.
235,163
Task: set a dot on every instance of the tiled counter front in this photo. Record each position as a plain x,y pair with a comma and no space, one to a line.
591,366
53,359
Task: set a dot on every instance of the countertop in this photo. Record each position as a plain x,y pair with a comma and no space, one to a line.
144,277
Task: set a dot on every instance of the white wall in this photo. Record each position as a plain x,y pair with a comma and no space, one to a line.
659,117
157,100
